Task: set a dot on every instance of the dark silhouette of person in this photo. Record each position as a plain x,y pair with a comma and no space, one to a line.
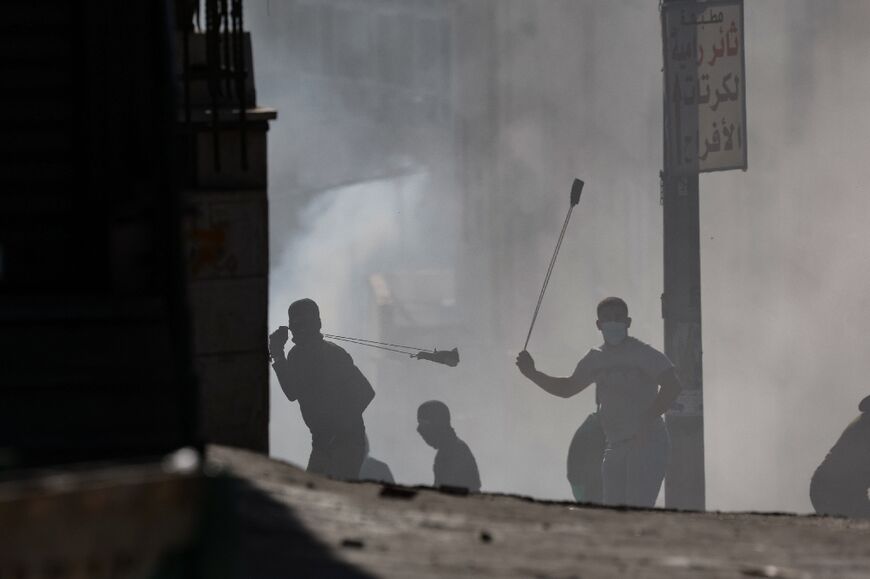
332,392
375,470
454,463
840,484
627,374
585,455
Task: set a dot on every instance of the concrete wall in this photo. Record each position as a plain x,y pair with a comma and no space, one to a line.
227,261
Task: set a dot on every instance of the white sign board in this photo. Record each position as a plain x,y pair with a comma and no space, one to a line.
705,86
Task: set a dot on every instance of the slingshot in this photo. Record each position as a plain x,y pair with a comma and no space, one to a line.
446,357
576,189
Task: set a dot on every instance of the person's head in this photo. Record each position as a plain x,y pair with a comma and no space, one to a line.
433,422
613,320
303,319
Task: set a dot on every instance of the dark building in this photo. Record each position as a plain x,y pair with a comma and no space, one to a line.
124,200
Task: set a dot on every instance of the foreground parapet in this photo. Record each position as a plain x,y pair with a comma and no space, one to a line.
294,522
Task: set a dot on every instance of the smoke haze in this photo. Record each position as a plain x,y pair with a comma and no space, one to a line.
449,187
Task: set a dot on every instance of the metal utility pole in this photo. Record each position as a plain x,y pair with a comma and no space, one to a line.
681,305
704,130
681,301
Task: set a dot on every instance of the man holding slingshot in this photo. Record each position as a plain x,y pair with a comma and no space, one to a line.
627,375
332,392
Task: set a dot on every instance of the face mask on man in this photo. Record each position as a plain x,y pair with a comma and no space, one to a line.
614,332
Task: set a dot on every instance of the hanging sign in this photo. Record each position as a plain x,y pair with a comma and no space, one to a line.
705,86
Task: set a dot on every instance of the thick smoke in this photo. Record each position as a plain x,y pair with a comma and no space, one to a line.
468,192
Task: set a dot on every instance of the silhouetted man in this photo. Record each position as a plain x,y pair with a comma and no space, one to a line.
374,469
454,464
331,390
840,484
627,374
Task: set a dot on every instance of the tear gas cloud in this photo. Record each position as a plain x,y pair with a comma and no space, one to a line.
451,186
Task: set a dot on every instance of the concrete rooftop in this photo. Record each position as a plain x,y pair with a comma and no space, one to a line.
297,524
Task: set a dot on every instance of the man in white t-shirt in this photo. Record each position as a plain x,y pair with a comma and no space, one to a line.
627,374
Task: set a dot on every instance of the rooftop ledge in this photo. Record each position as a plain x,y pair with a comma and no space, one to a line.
199,115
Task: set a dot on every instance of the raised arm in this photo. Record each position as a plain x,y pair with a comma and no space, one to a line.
557,386
286,377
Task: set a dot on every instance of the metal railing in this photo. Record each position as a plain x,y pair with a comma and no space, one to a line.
225,70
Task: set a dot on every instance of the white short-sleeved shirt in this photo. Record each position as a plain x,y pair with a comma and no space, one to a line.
626,377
